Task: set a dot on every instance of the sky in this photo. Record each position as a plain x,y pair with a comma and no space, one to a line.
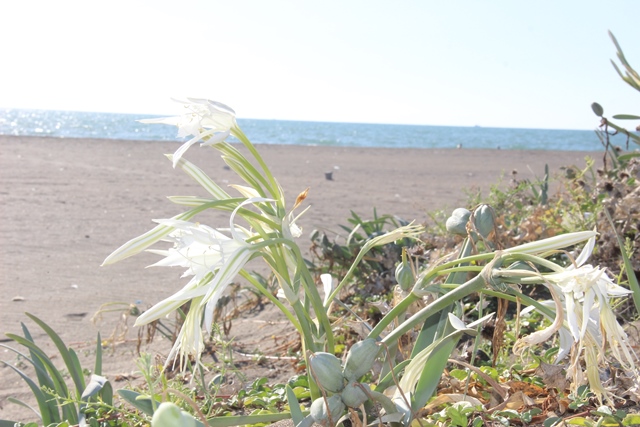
502,63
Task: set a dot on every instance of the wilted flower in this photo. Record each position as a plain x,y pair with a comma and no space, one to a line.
209,121
582,296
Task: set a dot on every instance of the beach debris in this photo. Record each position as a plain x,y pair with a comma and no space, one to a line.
76,316
17,298
329,175
74,286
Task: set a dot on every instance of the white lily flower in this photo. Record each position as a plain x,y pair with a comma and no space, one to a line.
205,120
214,260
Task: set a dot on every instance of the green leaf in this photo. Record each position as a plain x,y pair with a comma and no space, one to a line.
159,232
139,401
201,178
52,411
628,267
237,420
389,379
97,367
551,421
631,420
628,156
45,414
579,421
41,373
69,411
68,355
626,117
96,385
294,406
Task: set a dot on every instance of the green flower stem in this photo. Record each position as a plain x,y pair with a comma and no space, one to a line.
274,187
466,268
271,298
376,241
310,291
396,311
516,256
523,298
471,286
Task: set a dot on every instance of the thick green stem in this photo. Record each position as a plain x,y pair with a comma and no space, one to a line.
473,285
311,293
396,311
274,187
272,298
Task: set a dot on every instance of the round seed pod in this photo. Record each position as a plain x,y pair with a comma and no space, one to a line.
457,222
320,413
360,359
597,109
484,220
327,371
170,415
355,394
404,275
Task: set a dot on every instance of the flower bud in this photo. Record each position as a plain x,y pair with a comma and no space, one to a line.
320,413
457,222
404,274
360,359
170,415
484,220
327,371
355,394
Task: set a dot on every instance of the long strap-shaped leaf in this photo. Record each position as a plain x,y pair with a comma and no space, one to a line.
140,243
68,355
201,178
69,411
46,416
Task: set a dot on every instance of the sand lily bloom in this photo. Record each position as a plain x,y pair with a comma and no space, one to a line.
208,121
214,260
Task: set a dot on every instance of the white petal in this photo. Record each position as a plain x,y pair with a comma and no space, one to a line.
327,286
586,252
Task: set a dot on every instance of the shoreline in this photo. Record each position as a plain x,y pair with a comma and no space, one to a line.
268,144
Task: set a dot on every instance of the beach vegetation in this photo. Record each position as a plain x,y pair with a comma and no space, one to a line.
519,299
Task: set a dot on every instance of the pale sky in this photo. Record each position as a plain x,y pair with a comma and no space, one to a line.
507,63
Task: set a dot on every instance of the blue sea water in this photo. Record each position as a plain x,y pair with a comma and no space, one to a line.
70,124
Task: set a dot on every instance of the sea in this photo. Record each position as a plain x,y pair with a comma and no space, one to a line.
73,124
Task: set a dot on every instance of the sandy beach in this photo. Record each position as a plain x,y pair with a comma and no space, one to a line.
68,203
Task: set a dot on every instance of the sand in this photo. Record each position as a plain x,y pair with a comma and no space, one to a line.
68,203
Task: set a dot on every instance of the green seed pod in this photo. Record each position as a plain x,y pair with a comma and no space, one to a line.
484,220
170,415
457,222
327,370
597,109
355,394
404,274
360,359
320,413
